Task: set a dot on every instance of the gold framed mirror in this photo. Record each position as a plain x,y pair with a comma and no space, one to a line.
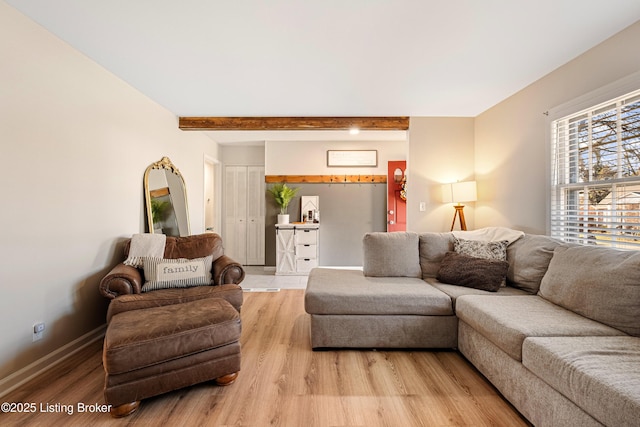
166,199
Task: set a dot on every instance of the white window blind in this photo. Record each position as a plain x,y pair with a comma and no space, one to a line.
595,181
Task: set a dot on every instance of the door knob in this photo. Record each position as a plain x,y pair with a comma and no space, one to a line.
391,212
392,222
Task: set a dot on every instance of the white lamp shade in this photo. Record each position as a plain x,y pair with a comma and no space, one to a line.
459,192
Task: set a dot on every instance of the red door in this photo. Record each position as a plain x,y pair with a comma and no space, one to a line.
396,196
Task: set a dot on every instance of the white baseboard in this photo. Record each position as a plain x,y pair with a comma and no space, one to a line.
18,378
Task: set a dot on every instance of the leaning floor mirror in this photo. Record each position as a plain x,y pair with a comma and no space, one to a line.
166,199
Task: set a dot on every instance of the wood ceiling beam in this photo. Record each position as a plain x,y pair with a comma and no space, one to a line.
293,123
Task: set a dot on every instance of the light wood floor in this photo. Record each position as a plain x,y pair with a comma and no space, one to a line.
284,383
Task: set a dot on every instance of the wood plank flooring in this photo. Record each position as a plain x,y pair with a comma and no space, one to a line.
284,383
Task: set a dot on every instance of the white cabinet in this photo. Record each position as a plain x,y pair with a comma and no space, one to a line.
297,248
244,208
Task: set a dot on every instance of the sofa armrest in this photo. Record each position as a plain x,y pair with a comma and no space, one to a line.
121,280
227,271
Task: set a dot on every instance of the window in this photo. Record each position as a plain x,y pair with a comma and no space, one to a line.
595,174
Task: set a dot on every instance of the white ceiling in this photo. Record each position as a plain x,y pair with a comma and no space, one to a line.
330,57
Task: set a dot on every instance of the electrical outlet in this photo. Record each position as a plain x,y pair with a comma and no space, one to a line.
423,206
38,331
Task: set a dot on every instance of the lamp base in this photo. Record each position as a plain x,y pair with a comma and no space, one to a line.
459,213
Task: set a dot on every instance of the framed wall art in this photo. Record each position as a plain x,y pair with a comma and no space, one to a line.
352,158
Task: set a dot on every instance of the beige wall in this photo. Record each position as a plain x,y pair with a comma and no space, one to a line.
75,141
441,150
511,138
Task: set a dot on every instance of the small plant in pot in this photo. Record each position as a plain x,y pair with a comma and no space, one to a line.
282,195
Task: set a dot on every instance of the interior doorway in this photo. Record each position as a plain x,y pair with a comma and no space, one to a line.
211,207
396,196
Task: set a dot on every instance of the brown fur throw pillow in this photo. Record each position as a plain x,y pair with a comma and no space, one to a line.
472,272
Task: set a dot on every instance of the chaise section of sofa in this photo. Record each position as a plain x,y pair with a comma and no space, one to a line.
349,309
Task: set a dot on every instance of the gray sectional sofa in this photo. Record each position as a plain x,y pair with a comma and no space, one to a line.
558,333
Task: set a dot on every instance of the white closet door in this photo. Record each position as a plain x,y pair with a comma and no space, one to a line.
235,236
255,215
244,214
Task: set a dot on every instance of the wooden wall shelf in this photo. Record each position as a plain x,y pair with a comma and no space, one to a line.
326,179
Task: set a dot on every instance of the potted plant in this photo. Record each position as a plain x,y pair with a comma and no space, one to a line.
282,194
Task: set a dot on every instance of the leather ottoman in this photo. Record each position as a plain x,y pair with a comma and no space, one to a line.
152,351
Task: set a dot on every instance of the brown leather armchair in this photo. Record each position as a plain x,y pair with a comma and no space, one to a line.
125,280
166,339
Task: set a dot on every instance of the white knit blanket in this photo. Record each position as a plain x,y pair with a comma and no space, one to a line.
490,234
145,245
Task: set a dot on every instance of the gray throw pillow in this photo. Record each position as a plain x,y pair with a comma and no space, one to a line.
391,254
472,272
481,249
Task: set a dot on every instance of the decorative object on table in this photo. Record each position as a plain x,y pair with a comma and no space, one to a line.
309,209
459,192
282,195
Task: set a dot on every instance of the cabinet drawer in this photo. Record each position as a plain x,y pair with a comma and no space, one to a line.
304,265
306,251
306,237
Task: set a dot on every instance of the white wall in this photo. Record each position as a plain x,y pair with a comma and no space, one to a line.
75,142
441,150
241,155
310,157
510,139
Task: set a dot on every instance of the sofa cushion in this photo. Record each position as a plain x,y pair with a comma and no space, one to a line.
507,321
529,259
433,247
599,283
472,272
455,291
194,246
599,374
338,291
231,293
391,254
